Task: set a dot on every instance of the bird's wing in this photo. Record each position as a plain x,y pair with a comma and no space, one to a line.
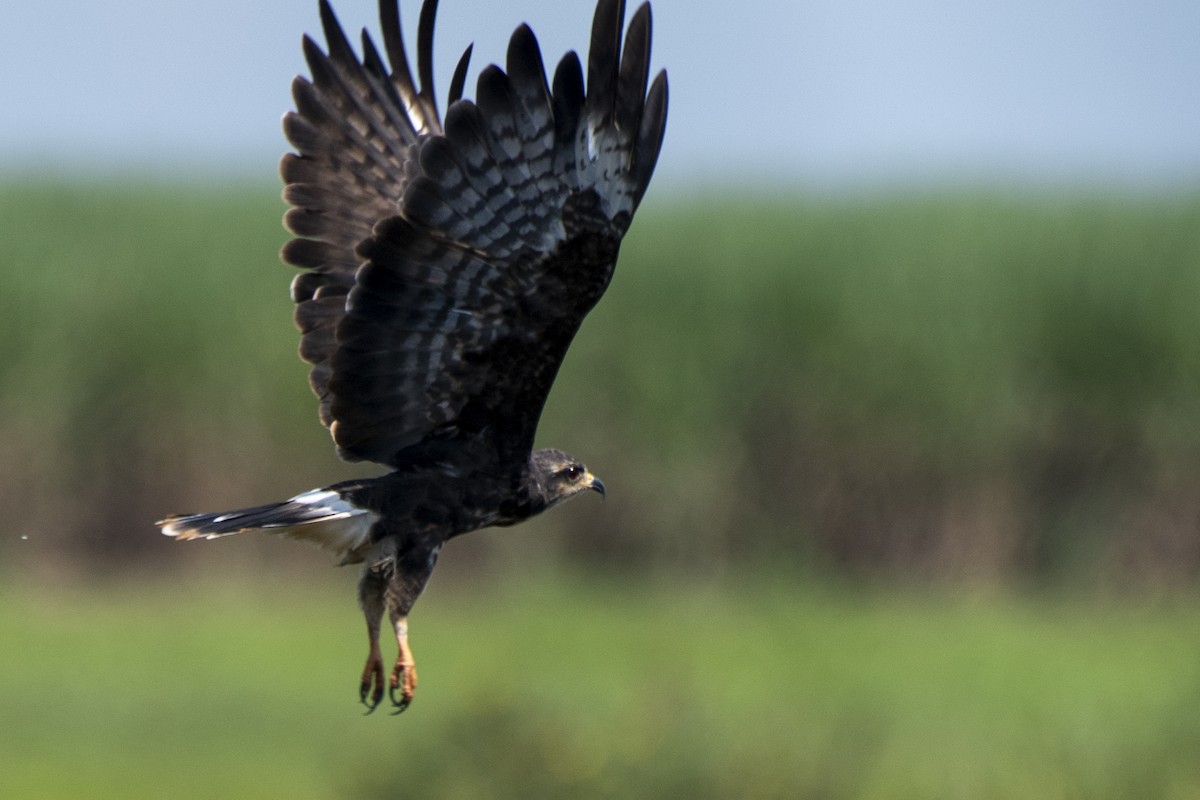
508,225
356,129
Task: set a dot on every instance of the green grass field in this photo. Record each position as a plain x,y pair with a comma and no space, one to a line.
586,687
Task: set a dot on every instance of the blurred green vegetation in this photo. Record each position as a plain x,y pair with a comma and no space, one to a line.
991,394
970,385
569,685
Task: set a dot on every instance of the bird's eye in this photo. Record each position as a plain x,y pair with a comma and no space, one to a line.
573,473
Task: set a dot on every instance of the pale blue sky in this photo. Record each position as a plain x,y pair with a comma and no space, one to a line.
818,92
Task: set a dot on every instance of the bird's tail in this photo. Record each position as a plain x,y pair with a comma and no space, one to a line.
322,516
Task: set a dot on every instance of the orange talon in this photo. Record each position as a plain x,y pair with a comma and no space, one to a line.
404,673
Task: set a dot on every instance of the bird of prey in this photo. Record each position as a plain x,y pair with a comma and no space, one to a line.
447,265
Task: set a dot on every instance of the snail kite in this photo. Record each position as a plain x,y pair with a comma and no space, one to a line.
447,266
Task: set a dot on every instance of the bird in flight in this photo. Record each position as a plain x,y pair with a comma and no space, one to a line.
447,264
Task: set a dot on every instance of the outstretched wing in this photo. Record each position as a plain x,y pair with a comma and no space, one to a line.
355,129
483,244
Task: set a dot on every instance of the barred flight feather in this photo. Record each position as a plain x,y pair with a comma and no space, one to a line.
452,242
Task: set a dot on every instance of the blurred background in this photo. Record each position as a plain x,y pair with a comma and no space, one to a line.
895,393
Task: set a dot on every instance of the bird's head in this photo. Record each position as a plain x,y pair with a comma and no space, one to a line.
561,476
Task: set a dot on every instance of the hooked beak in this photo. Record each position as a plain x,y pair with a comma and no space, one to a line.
596,485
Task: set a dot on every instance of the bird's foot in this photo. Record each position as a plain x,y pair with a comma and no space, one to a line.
403,683
370,690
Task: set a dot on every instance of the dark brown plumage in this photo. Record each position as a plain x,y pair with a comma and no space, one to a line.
448,266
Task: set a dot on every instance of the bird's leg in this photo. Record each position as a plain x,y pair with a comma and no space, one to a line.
405,581
371,596
372,676
404,673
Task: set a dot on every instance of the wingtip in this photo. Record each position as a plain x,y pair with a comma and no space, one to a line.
650,135
604,56
425,27
458,82
634,71
335,36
